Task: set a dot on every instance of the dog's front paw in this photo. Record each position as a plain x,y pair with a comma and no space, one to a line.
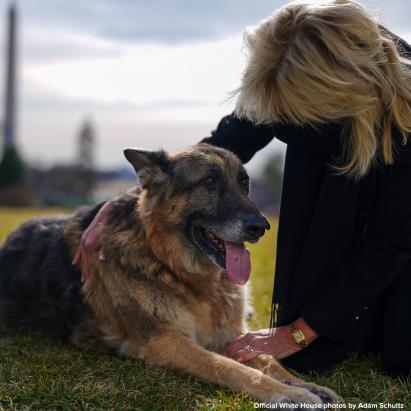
327,395
300,398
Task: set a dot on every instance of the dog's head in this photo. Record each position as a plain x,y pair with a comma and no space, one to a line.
196,210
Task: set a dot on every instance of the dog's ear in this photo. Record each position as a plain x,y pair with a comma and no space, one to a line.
152,167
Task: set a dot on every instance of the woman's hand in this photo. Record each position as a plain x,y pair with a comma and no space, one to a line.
279,343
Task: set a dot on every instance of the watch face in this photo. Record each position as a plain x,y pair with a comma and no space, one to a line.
298,336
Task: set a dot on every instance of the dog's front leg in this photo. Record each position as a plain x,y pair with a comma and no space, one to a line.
271,367
171,349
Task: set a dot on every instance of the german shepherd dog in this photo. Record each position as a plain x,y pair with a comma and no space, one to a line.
170,288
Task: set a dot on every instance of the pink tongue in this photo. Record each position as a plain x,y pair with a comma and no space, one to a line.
237,262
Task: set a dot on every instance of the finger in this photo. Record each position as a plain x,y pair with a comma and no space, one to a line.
239,338
244,337
248,356
232,351
258,344
236,347
237,344
255,341
236,351
263,343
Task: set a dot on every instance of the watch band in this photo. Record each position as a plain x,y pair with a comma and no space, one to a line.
298,335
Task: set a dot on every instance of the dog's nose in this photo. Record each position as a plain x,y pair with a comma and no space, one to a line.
255,224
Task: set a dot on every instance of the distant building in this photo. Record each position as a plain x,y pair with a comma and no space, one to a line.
112,183
86,142
86,146
68,185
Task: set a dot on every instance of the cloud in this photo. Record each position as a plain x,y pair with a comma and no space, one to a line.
173,21
43,44
164,21
64,29
146,74
149,72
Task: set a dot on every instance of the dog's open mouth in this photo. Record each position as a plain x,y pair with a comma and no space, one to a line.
234,257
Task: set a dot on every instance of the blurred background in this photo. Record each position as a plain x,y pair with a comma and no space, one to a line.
81,80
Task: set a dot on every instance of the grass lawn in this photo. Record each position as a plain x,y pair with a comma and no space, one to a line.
40,374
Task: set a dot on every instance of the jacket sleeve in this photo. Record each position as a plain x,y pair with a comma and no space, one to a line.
240,136
403,47
383,253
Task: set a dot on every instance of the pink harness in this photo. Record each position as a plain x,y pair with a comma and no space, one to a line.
89,242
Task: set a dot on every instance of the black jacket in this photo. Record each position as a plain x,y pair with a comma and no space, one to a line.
344,246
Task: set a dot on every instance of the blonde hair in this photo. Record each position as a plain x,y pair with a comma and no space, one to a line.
314,63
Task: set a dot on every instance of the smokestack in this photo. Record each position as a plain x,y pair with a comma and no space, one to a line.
10,95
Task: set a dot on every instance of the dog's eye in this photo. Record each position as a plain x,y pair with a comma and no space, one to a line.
209,182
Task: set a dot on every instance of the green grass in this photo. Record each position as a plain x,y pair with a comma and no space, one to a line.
41,374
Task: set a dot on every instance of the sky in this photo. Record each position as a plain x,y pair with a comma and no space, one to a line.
153,74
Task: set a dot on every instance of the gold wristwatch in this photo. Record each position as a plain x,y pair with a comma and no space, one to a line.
298,335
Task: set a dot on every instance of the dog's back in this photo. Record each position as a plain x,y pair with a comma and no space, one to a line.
39,287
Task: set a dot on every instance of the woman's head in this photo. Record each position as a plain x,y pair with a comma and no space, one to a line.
320,62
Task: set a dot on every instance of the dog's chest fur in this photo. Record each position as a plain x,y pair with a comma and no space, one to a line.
220,319
214,321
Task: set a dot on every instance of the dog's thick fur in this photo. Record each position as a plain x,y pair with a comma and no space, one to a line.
159,295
